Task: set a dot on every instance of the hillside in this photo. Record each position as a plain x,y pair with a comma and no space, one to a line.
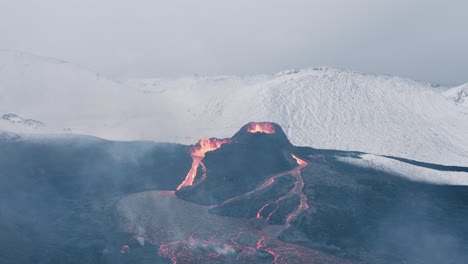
321,108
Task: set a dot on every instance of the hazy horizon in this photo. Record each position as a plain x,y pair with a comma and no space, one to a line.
421,40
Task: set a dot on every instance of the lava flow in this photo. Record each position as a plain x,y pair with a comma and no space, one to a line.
197,152
185,232
296,190
261,127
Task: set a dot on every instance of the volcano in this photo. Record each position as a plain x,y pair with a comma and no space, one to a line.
251,198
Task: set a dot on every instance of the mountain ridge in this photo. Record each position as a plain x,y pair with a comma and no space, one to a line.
321,107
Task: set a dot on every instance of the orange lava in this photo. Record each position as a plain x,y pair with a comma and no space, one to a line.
197,152
261,127
297,190
300,162
125,249
194,235
207,145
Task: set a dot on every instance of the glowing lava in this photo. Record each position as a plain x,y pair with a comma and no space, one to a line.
125,249
296,190
185,232
268,244
197,152
261,127
300,162
193,235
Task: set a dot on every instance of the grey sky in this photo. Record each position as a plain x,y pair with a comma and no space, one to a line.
421,39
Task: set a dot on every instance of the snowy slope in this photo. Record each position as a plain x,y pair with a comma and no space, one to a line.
458,94
59,94
329,108
322,108
377,114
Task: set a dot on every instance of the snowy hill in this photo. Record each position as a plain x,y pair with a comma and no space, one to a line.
57,93
458,94
322,108
328,108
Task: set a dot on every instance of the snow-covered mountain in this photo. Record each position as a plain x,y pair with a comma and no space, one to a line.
322,108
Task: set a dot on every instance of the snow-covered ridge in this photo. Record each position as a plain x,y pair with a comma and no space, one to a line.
322,107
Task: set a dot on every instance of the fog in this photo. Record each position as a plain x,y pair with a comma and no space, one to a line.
421,39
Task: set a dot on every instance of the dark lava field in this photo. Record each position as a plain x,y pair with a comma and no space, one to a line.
251,198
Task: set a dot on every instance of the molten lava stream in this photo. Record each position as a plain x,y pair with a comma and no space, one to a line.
259,213
194,235
261,187
198,152
297,190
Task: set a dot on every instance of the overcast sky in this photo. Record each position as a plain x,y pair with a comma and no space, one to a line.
422,39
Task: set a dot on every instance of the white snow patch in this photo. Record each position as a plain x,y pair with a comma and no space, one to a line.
409,171
458,94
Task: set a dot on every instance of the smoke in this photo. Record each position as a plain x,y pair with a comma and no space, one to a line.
57,193
417,231
220,248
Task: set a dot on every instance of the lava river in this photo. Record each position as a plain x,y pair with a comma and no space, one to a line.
185,232
198,153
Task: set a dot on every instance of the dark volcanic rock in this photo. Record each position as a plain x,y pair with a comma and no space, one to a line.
256,200
381,218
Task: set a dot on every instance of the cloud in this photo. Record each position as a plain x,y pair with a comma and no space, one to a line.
423,39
